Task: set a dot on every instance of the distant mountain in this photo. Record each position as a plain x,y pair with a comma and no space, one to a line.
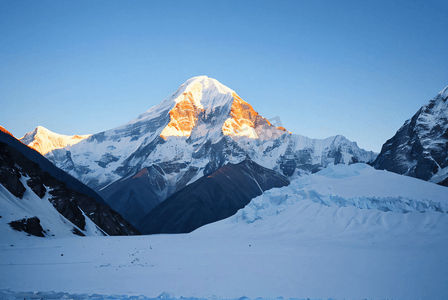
47,166
33,189
420,147
211,198
200,128
43,140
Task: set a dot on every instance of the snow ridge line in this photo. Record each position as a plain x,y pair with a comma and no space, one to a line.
396,204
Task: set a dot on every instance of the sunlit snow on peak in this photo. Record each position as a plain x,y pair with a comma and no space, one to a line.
183,116
201,100
232,128
44,140
194,93
211,83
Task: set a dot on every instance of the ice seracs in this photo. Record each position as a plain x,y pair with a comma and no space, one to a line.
44,140
357,186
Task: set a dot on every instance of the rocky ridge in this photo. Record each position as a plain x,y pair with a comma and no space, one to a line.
420,147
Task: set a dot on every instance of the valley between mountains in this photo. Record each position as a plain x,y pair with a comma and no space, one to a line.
206,198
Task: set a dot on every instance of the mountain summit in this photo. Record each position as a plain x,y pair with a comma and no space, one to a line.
201,127
43,140
204,108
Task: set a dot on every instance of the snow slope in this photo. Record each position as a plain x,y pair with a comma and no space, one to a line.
30,205
320,237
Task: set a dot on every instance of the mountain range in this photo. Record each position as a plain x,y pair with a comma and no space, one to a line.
192,133
204,126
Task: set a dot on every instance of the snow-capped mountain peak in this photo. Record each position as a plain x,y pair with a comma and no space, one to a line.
43,140
204,106
192,99
201,108
419,148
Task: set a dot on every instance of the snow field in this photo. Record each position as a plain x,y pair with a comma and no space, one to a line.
279,263
291,247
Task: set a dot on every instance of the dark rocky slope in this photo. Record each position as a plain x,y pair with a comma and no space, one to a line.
211,198
420,147
136,196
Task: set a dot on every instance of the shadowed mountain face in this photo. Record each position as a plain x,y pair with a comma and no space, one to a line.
136,196
420,147
211,198
22,167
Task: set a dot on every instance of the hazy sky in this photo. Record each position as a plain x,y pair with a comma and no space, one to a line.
356,68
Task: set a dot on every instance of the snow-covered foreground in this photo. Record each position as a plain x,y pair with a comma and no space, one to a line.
307,244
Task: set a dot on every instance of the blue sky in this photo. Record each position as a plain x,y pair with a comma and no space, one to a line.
356,68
